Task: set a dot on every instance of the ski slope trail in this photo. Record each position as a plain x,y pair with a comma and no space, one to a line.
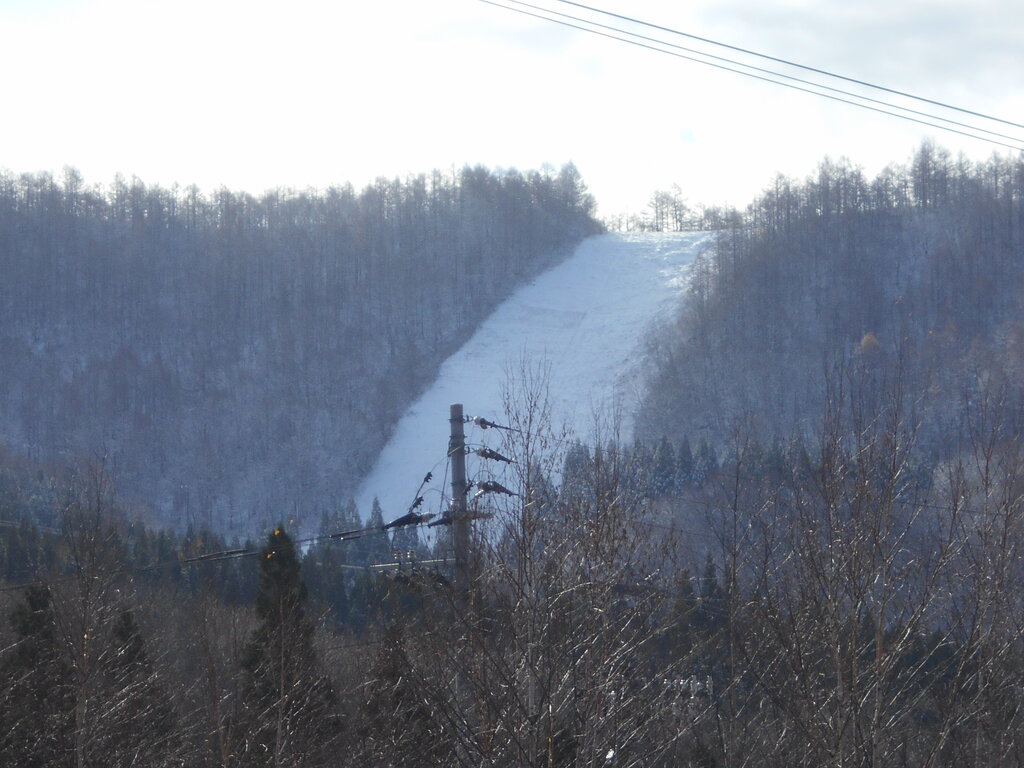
583,322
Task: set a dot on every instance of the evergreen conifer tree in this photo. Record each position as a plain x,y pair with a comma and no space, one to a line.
37,696
405,542
367,600
349,517
639,475
324,566
374,547
684,465
138,721
684,615
705,463
289,704
398,727
664,474
577,473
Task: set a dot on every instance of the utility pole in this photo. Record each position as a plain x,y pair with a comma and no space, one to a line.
460,523
460,540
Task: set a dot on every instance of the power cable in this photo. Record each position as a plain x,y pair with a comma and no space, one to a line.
206,557
791,86
444,483
240,553
788,63
773,73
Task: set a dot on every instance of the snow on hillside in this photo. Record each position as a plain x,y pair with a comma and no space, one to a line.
584,321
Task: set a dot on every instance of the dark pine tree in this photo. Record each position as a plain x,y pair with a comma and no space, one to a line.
683,617
37,696
290,716
704,463
663,477
325,569
138,721
684,466
397,726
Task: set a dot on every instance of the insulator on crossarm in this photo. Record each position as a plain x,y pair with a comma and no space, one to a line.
490,486
487,453
473,514
409,518
483,423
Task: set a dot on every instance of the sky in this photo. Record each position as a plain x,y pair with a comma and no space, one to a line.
254,95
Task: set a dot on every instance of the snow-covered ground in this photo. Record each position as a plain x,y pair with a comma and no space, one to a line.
583,322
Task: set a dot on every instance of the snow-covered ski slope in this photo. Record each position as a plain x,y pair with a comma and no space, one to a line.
584,322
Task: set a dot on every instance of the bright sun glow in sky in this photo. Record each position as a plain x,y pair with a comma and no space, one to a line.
309,93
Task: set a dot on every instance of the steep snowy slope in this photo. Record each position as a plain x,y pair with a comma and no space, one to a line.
584,320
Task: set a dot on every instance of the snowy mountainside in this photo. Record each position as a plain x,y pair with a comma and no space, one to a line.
583,322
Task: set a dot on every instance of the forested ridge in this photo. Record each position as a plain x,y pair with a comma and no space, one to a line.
808,556
916,273
232,356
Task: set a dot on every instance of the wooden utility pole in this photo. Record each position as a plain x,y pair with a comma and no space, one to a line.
460,523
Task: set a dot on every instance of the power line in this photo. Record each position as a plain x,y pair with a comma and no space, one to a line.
360,533
206,557
773,73
235,553
788,63
772,81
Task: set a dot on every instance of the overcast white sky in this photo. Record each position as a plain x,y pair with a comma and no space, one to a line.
307,93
